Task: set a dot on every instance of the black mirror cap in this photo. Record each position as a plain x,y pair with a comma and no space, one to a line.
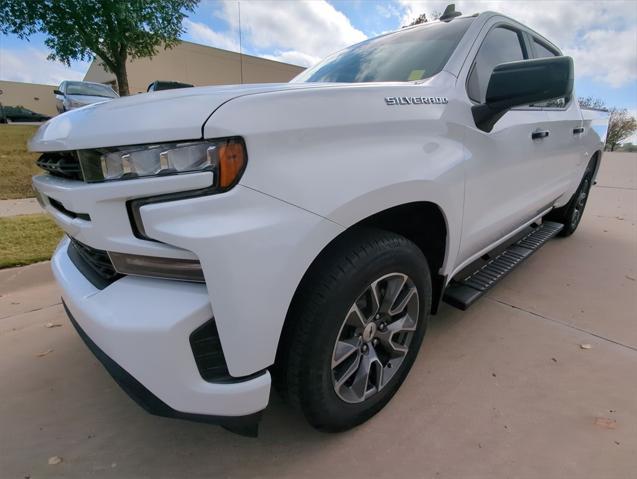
519,83
57,92
522,83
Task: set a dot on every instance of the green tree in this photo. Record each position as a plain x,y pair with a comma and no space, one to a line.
112,30
621,125
422,18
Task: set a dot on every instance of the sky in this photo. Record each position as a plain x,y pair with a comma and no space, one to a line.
601,36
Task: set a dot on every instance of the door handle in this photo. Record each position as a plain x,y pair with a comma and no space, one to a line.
577,131
536,135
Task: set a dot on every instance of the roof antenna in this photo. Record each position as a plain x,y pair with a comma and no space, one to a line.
449,13
240,49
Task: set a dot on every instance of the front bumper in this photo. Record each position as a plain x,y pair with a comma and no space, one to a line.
253,249
244,425
139,328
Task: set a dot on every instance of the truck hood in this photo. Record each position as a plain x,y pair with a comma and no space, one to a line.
170,115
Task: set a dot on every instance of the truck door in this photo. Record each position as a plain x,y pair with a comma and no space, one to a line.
504,177
564,159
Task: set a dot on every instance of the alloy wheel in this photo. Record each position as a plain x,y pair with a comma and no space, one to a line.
374,338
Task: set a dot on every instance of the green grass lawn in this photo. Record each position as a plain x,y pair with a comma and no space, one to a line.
18,165
27,239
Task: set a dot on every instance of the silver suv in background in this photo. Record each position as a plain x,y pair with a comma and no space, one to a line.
75,94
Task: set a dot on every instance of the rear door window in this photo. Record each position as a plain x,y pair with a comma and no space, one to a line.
540,50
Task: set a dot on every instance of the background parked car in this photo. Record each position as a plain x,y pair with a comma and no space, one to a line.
19,114
75,94
167,85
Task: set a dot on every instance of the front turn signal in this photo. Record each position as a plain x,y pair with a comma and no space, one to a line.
232,160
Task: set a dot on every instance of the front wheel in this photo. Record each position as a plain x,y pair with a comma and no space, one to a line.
357,325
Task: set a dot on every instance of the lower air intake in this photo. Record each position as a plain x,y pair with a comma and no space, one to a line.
206,347
93,263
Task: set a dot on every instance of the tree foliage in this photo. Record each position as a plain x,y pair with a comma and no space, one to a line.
620,127
592,103
113,30
621,124
422,18
629,147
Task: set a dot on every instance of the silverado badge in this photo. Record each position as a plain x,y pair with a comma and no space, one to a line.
416,100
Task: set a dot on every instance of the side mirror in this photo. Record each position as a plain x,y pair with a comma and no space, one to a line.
521,83
58,92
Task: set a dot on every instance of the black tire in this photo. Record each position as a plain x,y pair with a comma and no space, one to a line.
571,213
303,373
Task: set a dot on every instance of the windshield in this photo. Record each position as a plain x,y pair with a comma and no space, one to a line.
406,55
90,89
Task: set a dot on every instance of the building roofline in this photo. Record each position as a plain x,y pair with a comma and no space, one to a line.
30,83
242,54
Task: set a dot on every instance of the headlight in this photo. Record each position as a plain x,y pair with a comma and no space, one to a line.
226,158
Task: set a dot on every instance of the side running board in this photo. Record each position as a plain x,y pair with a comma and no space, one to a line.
462,293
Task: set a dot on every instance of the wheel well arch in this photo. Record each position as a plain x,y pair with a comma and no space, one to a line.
421,222
424,224
597,156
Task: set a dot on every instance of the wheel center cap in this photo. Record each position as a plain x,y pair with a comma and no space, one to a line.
369,332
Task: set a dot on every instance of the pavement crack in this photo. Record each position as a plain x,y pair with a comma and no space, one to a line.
568,325
618,218
616,187
31,310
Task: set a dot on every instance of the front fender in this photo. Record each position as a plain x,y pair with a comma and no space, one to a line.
344,154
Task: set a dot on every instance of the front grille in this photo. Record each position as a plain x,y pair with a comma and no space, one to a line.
64,164
206,347
93,263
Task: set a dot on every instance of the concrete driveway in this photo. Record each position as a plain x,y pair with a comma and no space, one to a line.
502,390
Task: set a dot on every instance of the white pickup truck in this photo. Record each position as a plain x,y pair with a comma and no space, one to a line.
220,239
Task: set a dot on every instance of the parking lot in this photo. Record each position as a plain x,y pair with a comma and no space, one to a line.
538,379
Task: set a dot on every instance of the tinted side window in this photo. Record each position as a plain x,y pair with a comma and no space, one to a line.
541,51
501,45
